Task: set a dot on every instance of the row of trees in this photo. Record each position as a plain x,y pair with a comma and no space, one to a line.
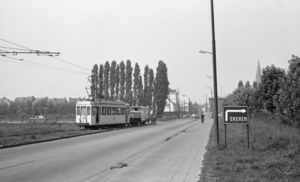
113,81
278,93
43,107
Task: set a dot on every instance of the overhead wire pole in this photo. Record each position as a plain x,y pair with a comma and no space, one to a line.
215,73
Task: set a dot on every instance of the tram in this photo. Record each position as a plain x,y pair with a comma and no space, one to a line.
104,113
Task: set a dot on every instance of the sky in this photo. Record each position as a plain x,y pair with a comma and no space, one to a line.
89,32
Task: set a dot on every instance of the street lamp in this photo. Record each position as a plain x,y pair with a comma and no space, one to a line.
213,53
204,52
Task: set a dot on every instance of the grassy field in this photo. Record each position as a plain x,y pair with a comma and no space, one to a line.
274,153
21,133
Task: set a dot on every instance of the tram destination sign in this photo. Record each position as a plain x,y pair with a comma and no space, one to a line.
236,114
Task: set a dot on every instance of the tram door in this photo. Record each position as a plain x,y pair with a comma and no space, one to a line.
97,114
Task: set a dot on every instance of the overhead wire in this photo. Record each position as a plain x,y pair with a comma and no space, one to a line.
69,63
13,48
43,65
47,55
16,44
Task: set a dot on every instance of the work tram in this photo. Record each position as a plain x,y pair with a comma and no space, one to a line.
100,114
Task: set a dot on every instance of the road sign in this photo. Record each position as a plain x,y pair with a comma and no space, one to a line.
236,114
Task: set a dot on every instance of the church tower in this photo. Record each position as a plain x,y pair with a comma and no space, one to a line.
258,73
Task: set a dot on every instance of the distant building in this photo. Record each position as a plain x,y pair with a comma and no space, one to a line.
57,101
258,73
19,100
37,100
74,100
5,101
220,105
171,102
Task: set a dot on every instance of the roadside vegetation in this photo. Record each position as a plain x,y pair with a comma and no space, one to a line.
274,153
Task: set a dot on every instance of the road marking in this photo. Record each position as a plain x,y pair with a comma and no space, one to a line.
227,111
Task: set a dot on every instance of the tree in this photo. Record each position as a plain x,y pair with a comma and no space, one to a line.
4,108
270,84
247,85
122,81
50,107
255,84
150,87
240,84
117,82
94,82
28,107
112,80
13,109
161,87
287,99
128,96
136,75
101,82
146,87
140,91
106,80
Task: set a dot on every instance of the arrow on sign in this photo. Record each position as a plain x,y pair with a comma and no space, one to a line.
227,111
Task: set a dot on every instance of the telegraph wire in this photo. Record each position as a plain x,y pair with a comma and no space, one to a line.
69,63
28,49
43,65
16,44
13,48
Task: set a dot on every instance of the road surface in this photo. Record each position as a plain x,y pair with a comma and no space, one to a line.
99,157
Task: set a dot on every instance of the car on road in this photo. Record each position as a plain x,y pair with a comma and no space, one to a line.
196,115
38,118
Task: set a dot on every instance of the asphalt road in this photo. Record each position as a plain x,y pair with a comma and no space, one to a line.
87,158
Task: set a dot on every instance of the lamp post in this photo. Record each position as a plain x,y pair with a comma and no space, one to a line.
213,53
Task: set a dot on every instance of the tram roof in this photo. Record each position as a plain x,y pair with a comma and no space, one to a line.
101,103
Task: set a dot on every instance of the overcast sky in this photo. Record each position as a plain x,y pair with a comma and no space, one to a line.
144,31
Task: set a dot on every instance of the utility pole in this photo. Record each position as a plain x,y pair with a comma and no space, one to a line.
215,73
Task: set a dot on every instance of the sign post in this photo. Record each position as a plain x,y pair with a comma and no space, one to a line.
236,115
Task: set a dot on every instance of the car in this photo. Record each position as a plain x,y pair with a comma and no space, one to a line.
38,118
196,115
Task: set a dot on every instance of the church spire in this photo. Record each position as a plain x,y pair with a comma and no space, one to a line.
258,73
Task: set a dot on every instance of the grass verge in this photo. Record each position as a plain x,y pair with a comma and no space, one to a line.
16,134
274,153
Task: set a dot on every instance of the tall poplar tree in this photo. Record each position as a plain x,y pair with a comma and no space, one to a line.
117,82
94,82
150,87
122,81
112,80
162,87
136,75
128,96
101,79
140,92
146,86
106,80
